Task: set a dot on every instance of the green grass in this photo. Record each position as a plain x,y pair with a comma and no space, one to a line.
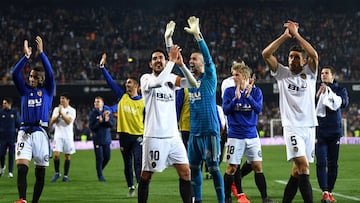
164,186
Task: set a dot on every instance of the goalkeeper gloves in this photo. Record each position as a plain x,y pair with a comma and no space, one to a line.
194,28
170,27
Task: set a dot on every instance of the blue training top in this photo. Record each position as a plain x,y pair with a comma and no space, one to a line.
242,114
9,122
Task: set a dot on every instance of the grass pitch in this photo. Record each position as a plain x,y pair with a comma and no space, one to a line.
85,187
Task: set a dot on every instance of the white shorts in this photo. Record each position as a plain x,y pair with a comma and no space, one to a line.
238,147
159,153
65,145
36,145
300,141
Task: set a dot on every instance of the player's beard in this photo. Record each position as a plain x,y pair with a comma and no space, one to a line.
296,68
157,72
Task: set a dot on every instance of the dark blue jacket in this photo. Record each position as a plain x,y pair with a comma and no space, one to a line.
9,123
101,131
330,125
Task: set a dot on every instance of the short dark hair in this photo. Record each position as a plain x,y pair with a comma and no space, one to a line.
8,100
38,69
298,49
65,94
158,50
332,69
134,78
41,73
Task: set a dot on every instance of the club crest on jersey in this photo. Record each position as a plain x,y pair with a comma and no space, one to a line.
194,96
46,158
303,76
153,164
12,116
313,153
296,149
39,93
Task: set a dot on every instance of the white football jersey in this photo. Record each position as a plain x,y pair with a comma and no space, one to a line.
62,129
296,96
160,110
228,82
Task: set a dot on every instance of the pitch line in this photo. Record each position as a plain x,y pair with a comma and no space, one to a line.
318,190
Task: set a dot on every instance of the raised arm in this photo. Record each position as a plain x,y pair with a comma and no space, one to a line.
189,80
194,29
268,52
119,92
170,27
313,60
16,72
147,83
49,76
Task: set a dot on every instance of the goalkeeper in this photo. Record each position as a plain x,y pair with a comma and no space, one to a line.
204,141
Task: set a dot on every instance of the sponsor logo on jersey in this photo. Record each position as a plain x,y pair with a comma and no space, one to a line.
242,107
313,153
128,109
164,97
34,102
194,96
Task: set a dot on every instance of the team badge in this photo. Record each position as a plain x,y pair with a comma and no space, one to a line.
39,93
303,76
259,153
228,157
97,146
208,153
296,149
46,158
18,153
139,139
12,116
312,153
153,164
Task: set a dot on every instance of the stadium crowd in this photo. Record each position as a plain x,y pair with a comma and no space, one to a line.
77,36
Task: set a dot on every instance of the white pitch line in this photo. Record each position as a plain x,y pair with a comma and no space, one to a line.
318,190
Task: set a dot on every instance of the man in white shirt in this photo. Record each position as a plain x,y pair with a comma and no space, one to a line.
162,145
63,118
297,84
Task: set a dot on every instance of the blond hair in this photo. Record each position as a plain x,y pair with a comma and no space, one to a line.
242,68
